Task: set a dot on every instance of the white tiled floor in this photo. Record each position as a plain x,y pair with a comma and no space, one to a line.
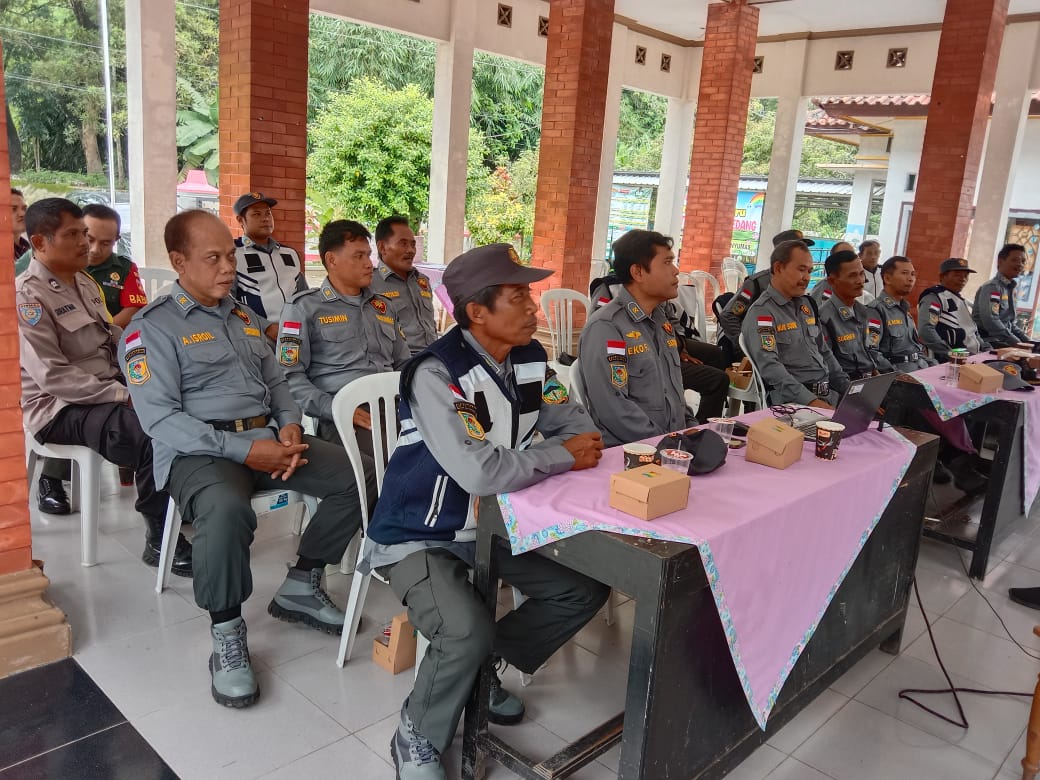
148,653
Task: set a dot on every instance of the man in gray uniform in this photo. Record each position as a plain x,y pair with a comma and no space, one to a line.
994,310
209,391
72,388
408,289
339,332
944,319
732,316
470,406
846,320
785,343
628,351
897,339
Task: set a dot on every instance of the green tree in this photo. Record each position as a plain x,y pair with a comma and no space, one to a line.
371,151
503,208
640,131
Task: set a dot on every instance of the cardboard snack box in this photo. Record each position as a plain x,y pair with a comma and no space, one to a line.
398,653
772,443
649,492
980,379
740,374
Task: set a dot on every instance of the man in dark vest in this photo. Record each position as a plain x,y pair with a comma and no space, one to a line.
470,406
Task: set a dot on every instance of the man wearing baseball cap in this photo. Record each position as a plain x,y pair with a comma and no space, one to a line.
944,319
269,274
470,405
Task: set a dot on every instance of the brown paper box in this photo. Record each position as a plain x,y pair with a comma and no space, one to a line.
772,443
1020,356
740,375
980,379
399,653
649,492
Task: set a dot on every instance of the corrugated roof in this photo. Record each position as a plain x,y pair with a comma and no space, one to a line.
750,183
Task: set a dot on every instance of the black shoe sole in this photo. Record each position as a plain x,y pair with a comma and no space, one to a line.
505,720
59,511
239,702
289,616
1023,602
152,559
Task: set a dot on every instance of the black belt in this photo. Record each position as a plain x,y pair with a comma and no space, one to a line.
820,389
237,426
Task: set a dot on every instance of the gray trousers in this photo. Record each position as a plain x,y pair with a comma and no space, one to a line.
445,608
214,495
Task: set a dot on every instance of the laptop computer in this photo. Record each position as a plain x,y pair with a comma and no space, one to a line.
856,410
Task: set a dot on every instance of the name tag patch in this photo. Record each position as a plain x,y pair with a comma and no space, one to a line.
333,318
198,338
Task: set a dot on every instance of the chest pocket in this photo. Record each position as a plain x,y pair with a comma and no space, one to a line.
81,335
644,379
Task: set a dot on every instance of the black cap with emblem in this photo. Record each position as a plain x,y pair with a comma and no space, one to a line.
792,235
1012,375
955,264
487,266
247,200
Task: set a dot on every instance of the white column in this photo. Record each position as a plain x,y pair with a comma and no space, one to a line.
904,160
1012,95
859,207
782,184
151,96
675,166
453,80
608,153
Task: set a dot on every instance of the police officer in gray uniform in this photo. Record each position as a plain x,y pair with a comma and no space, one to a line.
72,389
846,320
994,310
944,319
408,289
785,342
210,393
470,406
332,335
628,356
897,339
731,318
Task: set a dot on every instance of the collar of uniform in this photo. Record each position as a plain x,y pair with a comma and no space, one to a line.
269,247
384,270
502,369
845,312
778,297
43,273
112,259
182,300
1003,281
330,293
635,311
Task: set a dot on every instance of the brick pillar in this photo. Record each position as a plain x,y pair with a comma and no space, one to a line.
718,138
577,64
15,535
263,109
962,91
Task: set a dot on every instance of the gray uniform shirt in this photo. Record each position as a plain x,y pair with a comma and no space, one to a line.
480,467
412,299
68,345
326,341
849,337
731,318
788,347
187,364
994,312
629,364
898,340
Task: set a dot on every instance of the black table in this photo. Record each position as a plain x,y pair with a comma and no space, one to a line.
1002,508
686,715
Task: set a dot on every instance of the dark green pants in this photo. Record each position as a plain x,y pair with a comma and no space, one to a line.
214,495
442,605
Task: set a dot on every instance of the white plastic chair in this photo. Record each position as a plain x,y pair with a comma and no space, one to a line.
379,391
734,273
692,289
558,306
86,487
263,501
154,279
755,392
577,389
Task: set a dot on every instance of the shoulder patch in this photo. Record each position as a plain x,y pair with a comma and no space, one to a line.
379,304
553,392
619,374
31,313
473,427
288,353
765,324
137,372
768,341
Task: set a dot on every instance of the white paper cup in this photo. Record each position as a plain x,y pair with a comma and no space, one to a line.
676,460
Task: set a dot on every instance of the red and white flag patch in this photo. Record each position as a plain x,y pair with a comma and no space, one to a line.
615,347
133,340
291,328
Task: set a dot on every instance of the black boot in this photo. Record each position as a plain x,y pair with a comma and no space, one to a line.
941,475
153,547
965,478
52,499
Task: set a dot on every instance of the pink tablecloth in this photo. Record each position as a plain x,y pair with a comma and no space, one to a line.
950,401
775,544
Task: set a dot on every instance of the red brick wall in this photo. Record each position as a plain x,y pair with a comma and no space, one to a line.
965,72
263,109
577,63
718,140
15,535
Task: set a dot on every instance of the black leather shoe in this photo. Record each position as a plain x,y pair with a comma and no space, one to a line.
181,555
52,499
965,478
941,475
1027,597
